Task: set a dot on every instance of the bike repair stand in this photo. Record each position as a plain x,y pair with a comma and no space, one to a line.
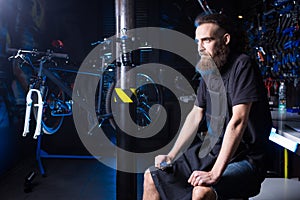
38,132
40,153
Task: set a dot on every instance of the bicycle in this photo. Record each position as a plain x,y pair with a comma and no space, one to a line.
51,96
143,97
47,99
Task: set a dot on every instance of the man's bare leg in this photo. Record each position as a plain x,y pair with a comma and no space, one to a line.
202,192
150,191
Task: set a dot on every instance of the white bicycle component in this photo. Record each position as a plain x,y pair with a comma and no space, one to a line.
28,111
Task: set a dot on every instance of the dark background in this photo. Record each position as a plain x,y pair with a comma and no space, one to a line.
34,24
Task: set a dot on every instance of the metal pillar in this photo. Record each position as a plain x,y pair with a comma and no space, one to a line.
126,182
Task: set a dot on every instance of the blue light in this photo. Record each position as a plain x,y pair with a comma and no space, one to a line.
282,141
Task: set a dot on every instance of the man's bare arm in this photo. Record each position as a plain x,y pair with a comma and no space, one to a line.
188,132
233,135
232,138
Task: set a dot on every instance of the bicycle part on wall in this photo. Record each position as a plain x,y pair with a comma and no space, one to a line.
204,5
275,39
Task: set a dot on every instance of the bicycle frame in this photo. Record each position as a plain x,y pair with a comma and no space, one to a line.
38,87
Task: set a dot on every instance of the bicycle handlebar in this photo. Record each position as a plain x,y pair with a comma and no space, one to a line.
38,53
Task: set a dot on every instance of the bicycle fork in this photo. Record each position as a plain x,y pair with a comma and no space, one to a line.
28,111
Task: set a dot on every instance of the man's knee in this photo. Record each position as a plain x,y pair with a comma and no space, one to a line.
201,192
148,181
150,191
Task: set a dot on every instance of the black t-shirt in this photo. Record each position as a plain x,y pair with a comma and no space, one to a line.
243,84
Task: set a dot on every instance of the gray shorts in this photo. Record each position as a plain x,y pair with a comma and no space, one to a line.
239,180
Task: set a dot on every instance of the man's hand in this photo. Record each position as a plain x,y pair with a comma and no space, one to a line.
160,159
203,178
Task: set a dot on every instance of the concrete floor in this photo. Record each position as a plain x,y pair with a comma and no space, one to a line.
89,179
279,189
78,179
66,179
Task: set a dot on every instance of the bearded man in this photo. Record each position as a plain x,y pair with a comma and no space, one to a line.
229,162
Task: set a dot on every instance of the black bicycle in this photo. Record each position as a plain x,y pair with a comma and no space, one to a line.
54,84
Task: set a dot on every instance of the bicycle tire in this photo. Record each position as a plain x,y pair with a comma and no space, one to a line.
145,98
51,95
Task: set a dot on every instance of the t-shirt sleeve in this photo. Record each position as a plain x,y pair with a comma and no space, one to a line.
201,95
245,83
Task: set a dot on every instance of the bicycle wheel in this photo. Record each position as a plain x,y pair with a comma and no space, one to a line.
53,108
144,97
108,108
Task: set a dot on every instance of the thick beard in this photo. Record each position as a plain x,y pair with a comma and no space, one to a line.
221,55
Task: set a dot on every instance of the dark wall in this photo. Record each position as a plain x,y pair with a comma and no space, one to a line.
77,23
